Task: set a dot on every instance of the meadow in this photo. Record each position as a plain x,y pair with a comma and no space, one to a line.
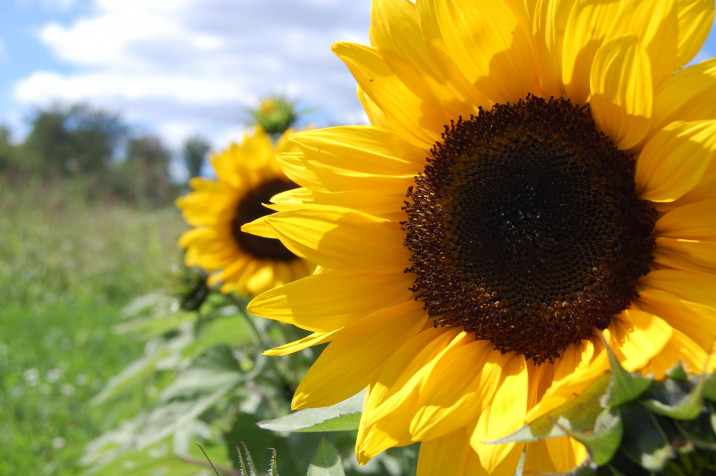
69,262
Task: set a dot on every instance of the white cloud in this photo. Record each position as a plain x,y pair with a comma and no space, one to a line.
181,64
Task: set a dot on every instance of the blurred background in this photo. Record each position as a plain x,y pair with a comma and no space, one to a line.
107,108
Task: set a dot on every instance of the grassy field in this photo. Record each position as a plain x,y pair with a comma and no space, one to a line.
67,267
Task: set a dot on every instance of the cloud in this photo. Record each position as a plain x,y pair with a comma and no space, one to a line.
181,64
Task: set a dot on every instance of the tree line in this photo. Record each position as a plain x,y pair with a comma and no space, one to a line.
98,149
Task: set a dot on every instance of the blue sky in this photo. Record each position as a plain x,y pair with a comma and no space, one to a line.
178,67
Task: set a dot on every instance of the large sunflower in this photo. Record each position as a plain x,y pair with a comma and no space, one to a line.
247,176
535,174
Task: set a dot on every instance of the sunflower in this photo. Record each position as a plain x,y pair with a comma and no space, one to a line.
247,176
537,180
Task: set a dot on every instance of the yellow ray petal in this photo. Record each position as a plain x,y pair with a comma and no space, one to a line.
449,454
365,149
309,341
548,28
687,285
341,238
554,455
622,92
416,120
688,95
392,397
636,336
675,160
680,349
395,32
693,221
490,43
686,255
586,27
695,320
334,299
695,20
356,355
454,392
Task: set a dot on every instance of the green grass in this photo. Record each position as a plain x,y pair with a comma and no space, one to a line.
67,267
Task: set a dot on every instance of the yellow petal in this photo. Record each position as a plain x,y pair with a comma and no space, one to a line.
695,20
693,221
549,24
342,239
416,120
686,255
449,454
695,320
331,300
585,29
364,149
504,415
687,285
688,95
392,397
309,341
675,160
356,355
554,455
490,43
680,349
395,32
636,336
622,93
454,392
656,26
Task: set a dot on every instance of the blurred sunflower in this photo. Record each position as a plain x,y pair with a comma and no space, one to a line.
535,174
247,176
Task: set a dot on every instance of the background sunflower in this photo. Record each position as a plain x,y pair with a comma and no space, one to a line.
247,176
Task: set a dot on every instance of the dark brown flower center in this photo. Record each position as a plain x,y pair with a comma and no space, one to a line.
251,207
525,228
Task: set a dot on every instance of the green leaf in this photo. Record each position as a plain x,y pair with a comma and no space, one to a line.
710,387
227,331
578,414
215,369
135,373
644,440
326,462
339,417
674,400
604,441
624,386
677,372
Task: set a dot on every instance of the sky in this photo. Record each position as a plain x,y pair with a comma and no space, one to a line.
180,67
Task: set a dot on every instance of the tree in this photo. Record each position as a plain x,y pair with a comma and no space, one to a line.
8,154
144,174
194,152
71,140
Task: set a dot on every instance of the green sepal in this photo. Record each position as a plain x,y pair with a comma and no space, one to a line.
676,399
644,440
342,416
577,415
624,386
326,462
605,440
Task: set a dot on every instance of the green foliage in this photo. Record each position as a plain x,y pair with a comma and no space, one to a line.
326,462
69,140
194,153
339,417
68,267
